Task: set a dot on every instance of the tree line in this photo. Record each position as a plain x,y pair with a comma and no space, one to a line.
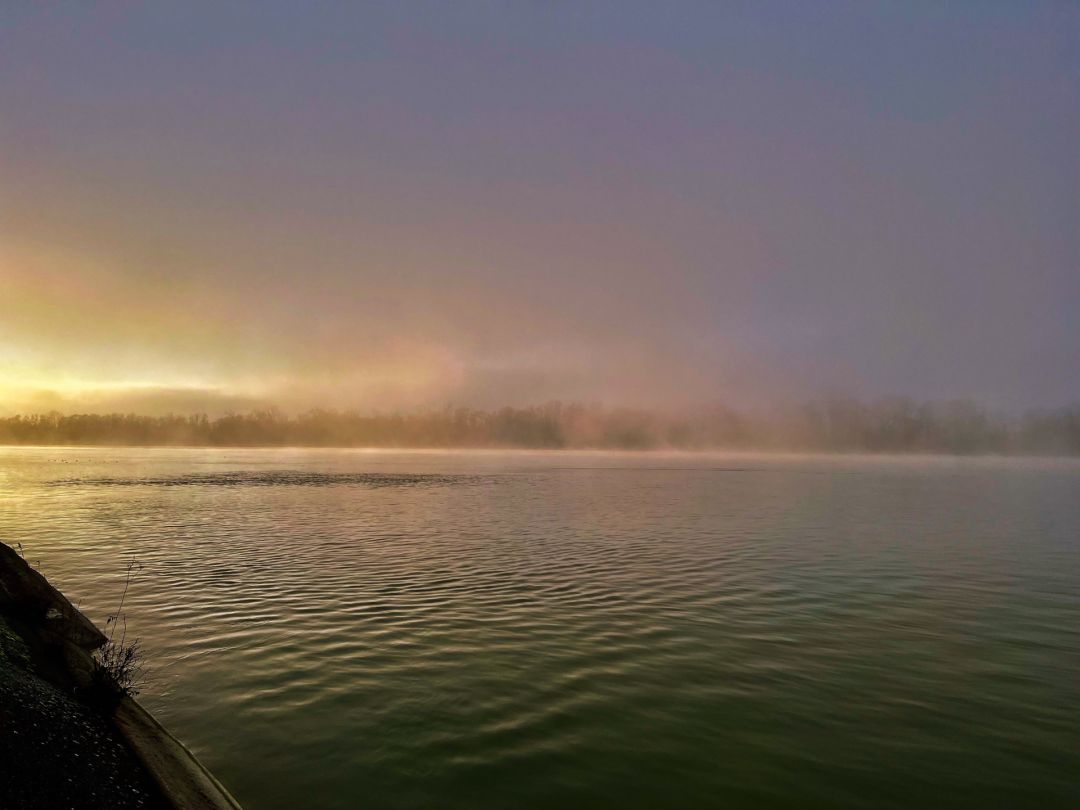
897,425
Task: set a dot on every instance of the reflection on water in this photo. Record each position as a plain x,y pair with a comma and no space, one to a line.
337,629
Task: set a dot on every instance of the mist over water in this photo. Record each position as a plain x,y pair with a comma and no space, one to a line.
352,324
515,630
896,425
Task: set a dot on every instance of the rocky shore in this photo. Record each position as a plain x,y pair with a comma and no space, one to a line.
62,743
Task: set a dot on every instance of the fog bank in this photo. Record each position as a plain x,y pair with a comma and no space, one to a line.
838,425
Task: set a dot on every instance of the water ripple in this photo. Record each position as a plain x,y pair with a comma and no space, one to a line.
276,478
457,631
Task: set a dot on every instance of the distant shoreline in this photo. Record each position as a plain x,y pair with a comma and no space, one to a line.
890,426
569,451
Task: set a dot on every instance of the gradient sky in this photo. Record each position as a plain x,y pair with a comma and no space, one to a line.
208,206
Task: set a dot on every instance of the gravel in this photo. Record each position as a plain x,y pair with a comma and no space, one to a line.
56,752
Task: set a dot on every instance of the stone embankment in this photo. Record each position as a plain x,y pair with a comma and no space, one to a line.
62,745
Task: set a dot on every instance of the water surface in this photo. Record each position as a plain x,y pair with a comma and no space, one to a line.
510,630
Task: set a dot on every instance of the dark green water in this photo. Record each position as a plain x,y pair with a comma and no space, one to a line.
344,629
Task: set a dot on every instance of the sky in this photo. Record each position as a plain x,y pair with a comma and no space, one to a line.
216,206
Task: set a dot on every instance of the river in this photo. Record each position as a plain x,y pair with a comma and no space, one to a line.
340,629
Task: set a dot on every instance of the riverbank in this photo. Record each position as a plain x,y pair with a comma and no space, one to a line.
62,745
896,425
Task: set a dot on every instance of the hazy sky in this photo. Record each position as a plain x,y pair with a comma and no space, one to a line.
387,204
